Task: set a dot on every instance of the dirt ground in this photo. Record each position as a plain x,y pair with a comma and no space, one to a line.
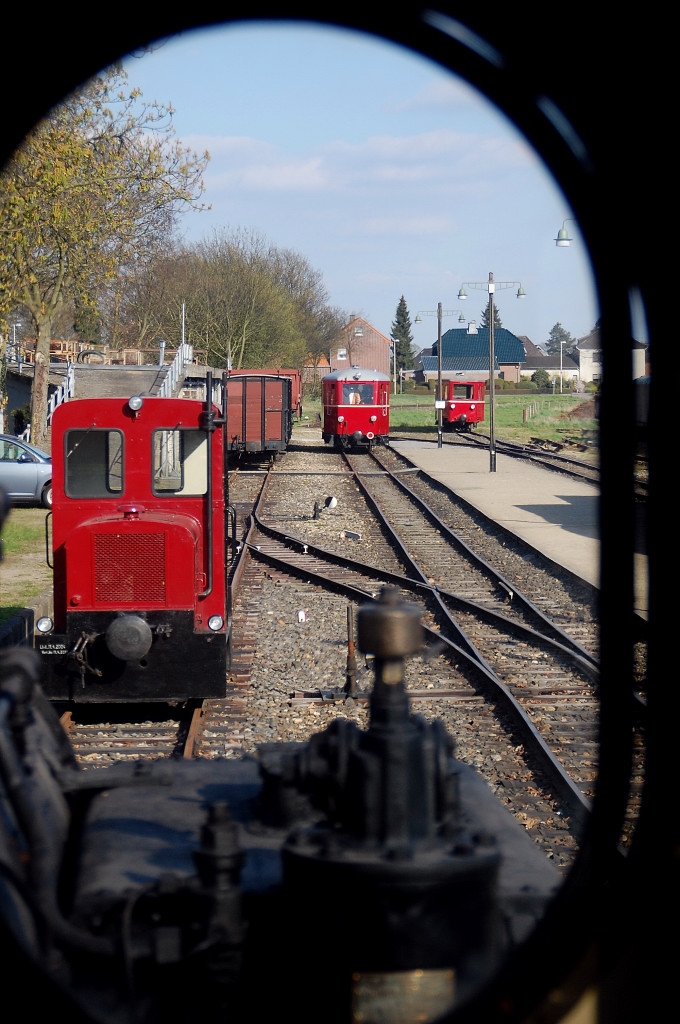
26,574
584,411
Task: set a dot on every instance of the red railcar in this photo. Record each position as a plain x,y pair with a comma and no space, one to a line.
464,407
356,408
259,411
138,539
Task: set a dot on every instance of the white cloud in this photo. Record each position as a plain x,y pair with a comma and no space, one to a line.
445,93
396,225
456,163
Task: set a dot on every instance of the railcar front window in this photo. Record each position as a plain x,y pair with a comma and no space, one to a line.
180,462
93,463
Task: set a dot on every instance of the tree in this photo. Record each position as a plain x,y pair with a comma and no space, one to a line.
246,302
486,316
96,186
557,335
541,378
403,338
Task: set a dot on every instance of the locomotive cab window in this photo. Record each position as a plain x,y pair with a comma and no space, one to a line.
180,461
93,463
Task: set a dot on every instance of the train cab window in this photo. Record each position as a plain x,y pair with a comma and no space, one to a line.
93,463
180,461
462,391
357,394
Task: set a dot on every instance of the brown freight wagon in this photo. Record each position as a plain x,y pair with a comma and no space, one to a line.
296,381
259,412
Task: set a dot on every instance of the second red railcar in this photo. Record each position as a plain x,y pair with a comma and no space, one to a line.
464,407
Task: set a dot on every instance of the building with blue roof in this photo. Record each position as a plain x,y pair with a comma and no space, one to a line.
466,350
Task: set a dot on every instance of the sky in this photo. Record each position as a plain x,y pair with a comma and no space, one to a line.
388,174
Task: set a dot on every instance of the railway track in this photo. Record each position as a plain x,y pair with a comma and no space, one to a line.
101,735
500,659
510,663
544,453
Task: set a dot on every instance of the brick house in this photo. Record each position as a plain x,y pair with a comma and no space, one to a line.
315,370
359,344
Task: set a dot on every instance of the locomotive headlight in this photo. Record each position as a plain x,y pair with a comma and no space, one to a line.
215,622
136,403
341,419
472,406
44,624
373,419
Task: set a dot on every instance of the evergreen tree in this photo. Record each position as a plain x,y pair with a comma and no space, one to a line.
486,317
403,338
557,335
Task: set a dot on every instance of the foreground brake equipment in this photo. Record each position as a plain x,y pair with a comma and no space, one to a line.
396,877
366,875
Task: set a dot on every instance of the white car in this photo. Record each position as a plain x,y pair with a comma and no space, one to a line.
25,472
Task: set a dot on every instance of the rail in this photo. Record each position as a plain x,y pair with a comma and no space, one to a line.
184,355
60,395
63,392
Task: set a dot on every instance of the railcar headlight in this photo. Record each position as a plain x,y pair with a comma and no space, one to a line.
215,622
373,419
136,403
472,406
44,624
341,419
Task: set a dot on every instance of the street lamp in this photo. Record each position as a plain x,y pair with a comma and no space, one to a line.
439,313
491,286
563,238
393,351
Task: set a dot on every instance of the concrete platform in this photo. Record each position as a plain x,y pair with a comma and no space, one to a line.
556,515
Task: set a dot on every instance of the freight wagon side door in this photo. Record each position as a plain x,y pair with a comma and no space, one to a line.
236,427
253,406
277,411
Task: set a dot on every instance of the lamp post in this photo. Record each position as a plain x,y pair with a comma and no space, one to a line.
561,344
490,287
563,238
439,313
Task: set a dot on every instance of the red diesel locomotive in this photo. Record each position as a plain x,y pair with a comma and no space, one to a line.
356,408
464,407
138,539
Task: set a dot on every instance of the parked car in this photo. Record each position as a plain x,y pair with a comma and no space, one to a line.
25,472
